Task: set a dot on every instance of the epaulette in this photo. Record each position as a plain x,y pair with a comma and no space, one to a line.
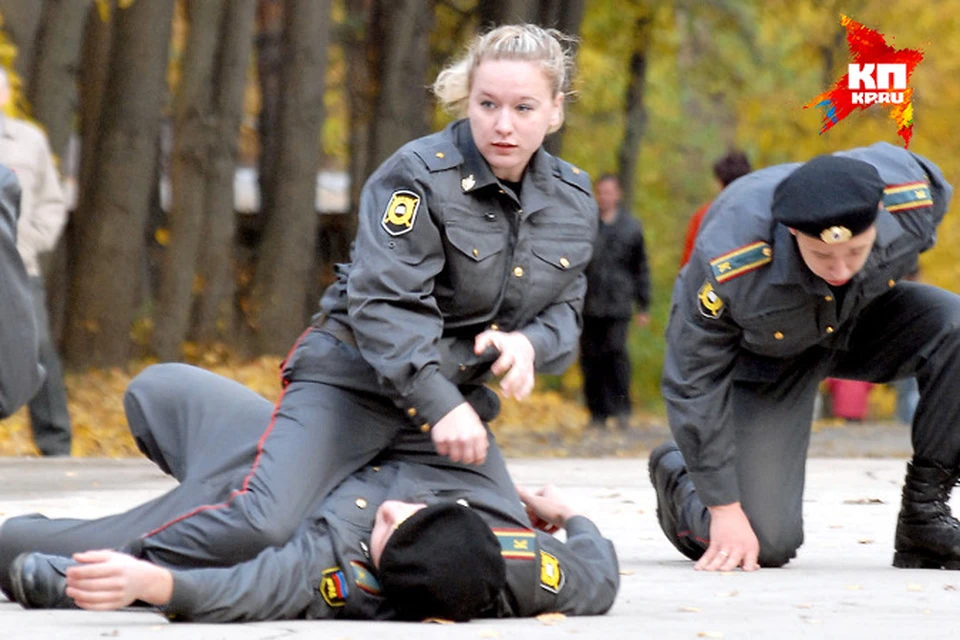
911,195
572,175
740,261
439,155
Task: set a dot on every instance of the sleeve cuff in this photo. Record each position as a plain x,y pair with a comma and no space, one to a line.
432,397
580,525
184,596
717,487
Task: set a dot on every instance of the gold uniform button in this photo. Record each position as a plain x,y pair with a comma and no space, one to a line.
463,367
829,329
361,503
500,191
411,412
476,253
576,170
828,298
425,427
494,327
891,283
564,263
518,271
778,335
376,469
439,154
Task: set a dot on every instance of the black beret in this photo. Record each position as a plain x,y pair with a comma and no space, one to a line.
830,197
442,562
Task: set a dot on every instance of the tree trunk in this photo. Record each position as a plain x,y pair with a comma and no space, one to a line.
108,262
401,29
361,94
494,13
21,20
635,112
53,95
192,121
53,84
269,69
213,307
279,297
95,51
566,16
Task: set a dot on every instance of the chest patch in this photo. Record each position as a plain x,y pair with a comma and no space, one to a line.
401,213
740,261
912,195
551,574
333,587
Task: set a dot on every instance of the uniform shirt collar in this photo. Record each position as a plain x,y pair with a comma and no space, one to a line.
788,264
537,186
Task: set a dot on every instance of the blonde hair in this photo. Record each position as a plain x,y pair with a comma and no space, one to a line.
527,42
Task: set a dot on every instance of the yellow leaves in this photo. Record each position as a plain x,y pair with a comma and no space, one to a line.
551,619
103,9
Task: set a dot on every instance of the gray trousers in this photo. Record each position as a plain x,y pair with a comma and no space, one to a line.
912,330
49,418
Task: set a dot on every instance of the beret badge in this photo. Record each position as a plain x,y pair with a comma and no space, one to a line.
835,234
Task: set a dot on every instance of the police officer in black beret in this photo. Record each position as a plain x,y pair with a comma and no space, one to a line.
796,276
410,537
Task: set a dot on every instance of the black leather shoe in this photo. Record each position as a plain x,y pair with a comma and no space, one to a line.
678,507
39,581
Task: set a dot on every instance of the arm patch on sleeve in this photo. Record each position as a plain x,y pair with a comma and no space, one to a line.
740,261
401,212
900,197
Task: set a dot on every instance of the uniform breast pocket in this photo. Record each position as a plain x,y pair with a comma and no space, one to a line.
781,332
474,261
557,263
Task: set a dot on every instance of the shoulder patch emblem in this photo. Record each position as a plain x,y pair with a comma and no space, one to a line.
364,578
740,261
516,544
401,212
901,197
333,587
711,305
551,574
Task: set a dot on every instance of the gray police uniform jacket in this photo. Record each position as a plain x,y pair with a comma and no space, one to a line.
443,252
746,300
325,570
20,374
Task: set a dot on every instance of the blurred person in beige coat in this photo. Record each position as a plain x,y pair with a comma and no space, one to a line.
24,149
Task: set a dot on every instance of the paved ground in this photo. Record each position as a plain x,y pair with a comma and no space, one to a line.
842,584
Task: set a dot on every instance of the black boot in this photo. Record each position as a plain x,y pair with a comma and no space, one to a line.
679,510
928,536
39,581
